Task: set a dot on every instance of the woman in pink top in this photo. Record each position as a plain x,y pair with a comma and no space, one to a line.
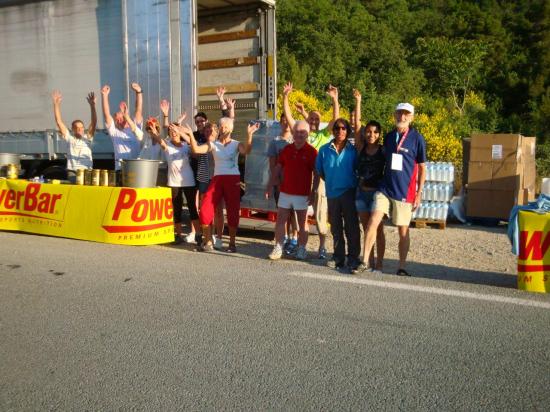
226,183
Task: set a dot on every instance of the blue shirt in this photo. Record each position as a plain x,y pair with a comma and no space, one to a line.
401,184
337,169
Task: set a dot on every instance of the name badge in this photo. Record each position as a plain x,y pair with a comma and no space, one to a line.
396,161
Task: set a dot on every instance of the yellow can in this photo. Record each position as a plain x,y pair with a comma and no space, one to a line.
12,171
104,177
96,176
88,177
79,177
112,178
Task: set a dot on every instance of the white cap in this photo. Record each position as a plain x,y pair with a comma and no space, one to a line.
405,106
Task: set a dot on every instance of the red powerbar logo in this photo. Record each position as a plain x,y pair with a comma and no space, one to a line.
147,214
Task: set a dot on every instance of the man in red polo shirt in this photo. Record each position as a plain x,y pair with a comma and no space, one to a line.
295,170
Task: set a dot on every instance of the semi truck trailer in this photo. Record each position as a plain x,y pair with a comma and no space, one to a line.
179,50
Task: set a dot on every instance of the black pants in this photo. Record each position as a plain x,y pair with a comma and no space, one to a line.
190,197
342,217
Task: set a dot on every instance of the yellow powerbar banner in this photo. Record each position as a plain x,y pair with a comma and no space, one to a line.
117,215
534,252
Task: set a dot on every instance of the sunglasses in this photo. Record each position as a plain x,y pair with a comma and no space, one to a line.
339,128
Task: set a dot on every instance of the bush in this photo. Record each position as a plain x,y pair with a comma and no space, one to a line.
310,103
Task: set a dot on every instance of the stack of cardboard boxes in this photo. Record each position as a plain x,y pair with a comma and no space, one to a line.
501,174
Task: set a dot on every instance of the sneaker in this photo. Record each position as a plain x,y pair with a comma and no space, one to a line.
322,253
189,238
207,247
218,243
301,253
361,267
276,253
333,264
291,246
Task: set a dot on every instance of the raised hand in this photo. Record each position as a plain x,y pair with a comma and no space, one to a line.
56,97
165,107
300,107
105,90
332,91
220,91
182,117
287,89
230,103
356,94
136,87
91,98
253,128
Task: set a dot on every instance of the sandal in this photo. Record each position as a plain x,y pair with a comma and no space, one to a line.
231,249
402,272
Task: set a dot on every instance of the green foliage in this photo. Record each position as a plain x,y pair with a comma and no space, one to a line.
543,159
484,65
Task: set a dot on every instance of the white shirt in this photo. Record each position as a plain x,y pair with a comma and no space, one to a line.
180,173
226,158
126,144
79,152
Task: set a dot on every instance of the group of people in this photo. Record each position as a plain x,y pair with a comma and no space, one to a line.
342,170
347,175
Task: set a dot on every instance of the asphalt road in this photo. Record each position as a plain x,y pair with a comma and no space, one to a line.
87,326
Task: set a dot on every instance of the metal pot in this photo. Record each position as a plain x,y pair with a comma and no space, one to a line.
10,159
139,173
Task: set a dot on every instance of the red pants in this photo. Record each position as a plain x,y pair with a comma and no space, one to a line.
228,188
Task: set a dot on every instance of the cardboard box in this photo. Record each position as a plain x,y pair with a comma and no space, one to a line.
495,147
501,174
494,176
493,203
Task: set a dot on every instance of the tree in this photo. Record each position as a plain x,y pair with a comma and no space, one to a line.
452,67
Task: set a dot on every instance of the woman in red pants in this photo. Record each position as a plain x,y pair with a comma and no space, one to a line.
226,183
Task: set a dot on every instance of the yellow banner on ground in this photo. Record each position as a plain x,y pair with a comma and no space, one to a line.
117,215
534,252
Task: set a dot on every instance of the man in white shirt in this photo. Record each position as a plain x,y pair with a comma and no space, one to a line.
126,134
79,140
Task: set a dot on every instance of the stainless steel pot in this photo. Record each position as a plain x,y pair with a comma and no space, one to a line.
139,173
10,159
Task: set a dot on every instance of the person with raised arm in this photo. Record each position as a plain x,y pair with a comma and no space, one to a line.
79,140
371,161
226,181
182,182
126,137
316,138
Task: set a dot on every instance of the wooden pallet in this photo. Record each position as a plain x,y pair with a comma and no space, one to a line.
424,223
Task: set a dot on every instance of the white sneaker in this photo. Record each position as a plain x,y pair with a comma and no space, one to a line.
218,243
276,253
301,253
189,238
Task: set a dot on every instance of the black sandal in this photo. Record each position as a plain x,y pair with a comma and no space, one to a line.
402,272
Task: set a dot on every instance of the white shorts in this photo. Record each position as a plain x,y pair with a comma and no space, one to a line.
295,202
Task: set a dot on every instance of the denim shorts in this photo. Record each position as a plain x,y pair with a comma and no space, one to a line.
364,200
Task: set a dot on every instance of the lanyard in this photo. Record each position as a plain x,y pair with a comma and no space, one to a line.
402,139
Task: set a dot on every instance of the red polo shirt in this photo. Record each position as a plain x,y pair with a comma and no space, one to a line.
298,166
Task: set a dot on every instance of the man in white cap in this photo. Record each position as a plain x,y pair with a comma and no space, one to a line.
401,188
